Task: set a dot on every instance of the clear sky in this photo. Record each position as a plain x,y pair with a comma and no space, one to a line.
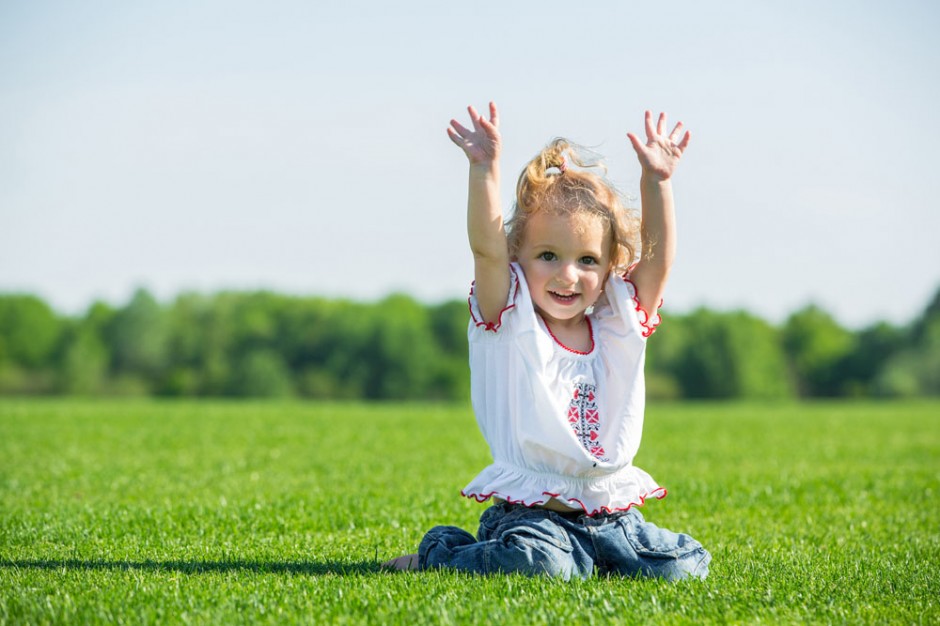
300,146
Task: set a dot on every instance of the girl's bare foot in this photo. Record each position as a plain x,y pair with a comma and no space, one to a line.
409,562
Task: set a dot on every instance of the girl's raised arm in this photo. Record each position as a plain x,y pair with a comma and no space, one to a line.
482,146
659,157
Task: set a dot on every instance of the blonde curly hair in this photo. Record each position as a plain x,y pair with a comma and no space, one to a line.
550,183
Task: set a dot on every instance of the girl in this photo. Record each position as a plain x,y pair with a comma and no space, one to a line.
557,344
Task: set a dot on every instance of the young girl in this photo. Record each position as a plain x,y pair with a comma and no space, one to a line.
557,344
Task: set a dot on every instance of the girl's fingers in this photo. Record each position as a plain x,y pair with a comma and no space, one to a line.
650,133
661,124
463,132
474,117
494,116
674,135
455,138
637,144
685,141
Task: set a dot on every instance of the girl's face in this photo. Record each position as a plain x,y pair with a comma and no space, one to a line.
566,259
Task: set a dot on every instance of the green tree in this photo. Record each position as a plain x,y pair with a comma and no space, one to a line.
817,346
401,351
84,359
732,355
873,347
137,338
29,336
261,373
332,357
915,370
667,348
189,329
450,377
29,331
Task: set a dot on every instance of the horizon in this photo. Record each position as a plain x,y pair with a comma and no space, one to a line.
665,311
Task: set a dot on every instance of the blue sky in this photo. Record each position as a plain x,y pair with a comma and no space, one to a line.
301,146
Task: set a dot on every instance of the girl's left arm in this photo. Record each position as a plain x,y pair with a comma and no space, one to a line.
659,157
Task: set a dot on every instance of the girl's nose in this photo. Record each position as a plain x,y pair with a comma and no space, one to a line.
568,273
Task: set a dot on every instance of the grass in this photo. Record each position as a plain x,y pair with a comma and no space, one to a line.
213,512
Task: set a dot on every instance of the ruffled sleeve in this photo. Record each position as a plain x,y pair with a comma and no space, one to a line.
620,300
477,323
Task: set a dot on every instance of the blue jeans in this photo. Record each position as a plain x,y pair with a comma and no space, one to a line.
532,541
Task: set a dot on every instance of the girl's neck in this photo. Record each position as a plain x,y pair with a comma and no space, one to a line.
575,335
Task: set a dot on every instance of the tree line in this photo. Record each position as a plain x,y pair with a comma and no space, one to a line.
264,344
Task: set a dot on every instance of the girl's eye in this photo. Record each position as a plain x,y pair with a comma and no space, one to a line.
547,256
588,260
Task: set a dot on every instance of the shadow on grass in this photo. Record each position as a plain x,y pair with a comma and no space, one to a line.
312,568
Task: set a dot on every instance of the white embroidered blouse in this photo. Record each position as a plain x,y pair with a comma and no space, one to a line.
561,424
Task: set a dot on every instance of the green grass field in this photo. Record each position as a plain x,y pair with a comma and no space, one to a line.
169,512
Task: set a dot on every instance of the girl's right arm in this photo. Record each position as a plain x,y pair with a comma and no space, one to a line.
482,146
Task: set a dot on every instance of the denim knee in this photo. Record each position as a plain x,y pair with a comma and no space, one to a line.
531,545
438,547
662,553
510,540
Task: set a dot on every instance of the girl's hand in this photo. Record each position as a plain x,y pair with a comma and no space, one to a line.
660,155
482,144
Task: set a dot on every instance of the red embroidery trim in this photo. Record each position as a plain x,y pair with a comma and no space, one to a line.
492,326
572,350
658,493
649,325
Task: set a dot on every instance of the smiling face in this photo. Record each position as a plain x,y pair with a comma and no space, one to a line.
566,259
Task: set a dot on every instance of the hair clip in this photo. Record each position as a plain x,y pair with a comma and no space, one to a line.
564,164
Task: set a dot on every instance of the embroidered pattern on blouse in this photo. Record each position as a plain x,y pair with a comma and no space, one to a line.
584,419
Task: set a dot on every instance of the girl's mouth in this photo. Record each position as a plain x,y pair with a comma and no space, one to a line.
563,298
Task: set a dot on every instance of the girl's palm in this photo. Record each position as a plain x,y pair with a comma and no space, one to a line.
660,154
483,143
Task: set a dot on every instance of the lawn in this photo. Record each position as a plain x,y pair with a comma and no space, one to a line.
214,512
